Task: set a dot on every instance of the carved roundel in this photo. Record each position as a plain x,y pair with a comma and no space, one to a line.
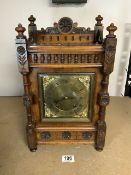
65,25
20,50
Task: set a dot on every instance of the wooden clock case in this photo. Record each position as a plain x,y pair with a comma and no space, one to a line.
65,48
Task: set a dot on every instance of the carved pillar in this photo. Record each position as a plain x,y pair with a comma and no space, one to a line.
21,53
98,35
103,98
32,29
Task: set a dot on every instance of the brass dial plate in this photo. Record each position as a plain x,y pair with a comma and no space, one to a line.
65,96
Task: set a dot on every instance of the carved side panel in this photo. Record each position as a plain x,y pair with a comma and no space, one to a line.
110,50
101,133
27,100
21,54
22,60
31,136
103,97
30,128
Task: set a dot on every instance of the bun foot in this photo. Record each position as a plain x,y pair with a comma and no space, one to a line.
33,149
98,149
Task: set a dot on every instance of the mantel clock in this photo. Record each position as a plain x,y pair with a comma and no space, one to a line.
65,71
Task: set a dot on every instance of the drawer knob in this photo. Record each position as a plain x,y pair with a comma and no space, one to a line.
46,135
66,135
86,135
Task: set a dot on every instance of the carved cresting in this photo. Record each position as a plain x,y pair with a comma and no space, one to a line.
24,70
103,97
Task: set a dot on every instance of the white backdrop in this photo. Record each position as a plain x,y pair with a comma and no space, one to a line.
17,11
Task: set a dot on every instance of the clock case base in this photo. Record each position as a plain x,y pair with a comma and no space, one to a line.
79,50
49,134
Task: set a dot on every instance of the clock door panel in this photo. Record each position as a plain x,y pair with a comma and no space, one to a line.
66,96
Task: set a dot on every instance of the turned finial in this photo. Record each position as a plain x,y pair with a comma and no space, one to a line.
32,20
99,18
111,29
20,29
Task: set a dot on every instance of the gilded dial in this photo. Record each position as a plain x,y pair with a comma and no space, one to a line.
66,96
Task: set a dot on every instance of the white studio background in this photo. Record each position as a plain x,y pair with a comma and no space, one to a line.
17,11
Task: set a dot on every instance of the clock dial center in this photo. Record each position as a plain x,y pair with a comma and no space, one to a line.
66,96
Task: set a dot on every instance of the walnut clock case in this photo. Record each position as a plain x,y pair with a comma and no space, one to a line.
65,71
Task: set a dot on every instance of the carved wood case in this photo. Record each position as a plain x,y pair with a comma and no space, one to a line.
58,61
